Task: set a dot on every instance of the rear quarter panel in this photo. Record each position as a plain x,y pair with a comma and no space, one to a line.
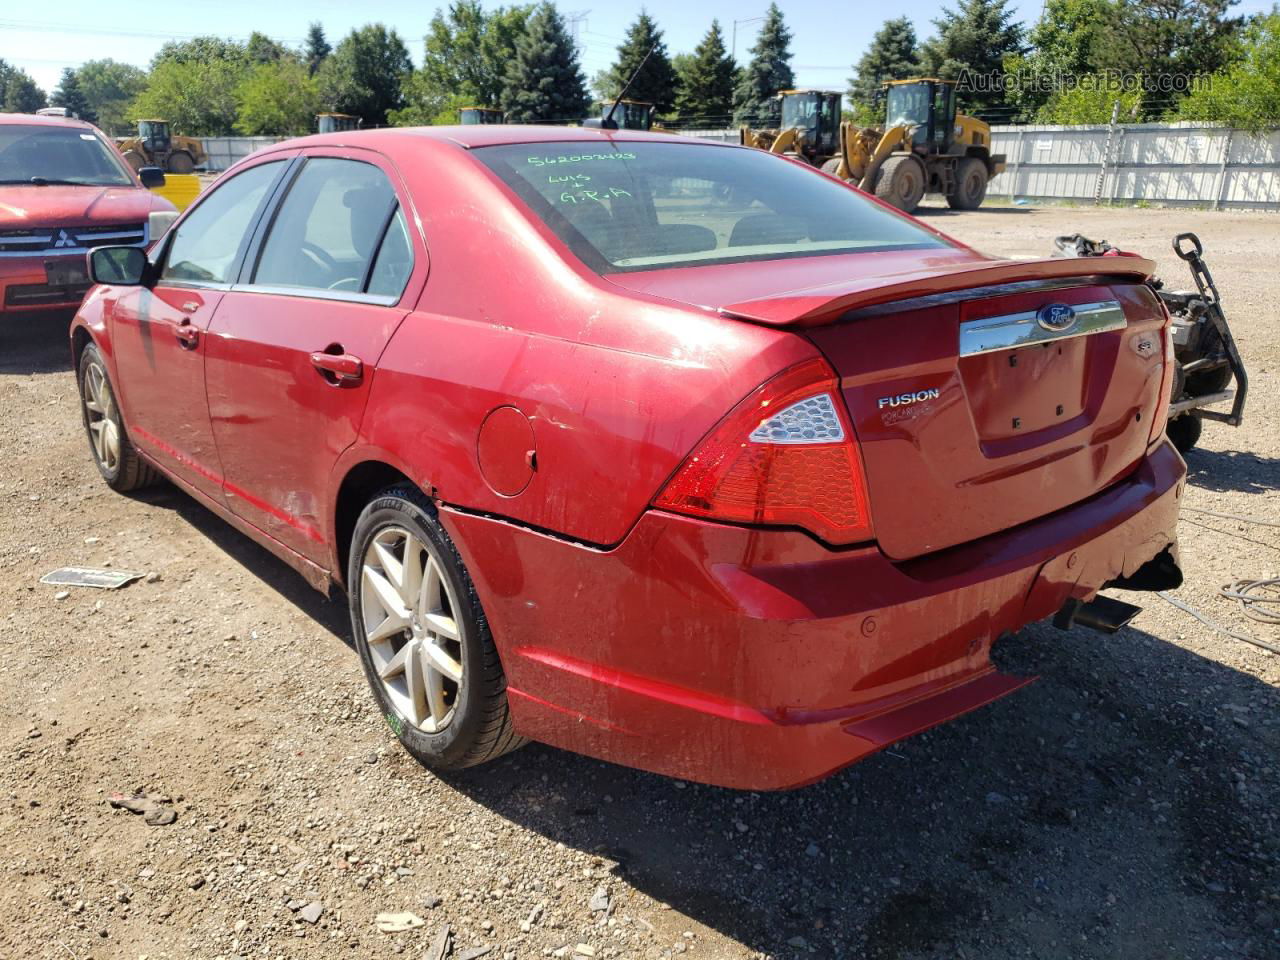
617,388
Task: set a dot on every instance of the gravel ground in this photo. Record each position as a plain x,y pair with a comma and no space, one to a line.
1124,806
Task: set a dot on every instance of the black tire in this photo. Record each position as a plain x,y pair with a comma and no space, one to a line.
900,181
135,160
479,728
832,167
181,162
970,187
1184,431
128,471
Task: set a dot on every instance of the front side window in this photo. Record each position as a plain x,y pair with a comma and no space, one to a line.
206,245
42,154
328,230
624,206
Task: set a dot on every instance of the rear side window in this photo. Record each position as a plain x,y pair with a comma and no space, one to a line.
626,206
329,228
206,245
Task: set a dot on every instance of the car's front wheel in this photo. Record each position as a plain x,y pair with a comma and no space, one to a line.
113,452
423,638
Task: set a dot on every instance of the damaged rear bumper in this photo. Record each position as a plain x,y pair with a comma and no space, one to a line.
761,659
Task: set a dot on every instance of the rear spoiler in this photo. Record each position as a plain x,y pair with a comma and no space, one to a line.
814,306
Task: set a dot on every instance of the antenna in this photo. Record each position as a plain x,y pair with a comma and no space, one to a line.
607,122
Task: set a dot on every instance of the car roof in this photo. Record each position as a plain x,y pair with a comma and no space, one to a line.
486,135
31,119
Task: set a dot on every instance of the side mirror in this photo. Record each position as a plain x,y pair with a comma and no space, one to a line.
123,266
151,177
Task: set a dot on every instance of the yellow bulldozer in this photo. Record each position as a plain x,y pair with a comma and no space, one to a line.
923,147
154,146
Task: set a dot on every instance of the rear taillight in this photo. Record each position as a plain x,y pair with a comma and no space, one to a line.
785,455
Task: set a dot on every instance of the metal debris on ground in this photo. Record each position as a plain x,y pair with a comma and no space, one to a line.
90,577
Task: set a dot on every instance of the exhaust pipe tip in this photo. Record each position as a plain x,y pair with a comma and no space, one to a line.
1104,614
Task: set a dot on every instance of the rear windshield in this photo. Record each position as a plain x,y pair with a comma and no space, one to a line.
629,206
52,154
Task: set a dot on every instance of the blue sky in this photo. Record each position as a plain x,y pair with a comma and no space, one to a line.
827,37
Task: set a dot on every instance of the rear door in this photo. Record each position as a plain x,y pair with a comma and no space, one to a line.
984,410
293,347
158,333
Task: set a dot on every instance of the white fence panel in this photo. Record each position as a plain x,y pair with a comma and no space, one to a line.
1181,163
224,151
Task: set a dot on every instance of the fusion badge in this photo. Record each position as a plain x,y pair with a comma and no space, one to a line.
906,399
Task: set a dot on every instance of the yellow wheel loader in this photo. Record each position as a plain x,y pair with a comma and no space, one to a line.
154,146
924,146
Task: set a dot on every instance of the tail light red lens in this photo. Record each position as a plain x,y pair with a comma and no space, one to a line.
784,456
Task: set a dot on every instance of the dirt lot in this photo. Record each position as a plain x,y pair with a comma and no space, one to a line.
1124,806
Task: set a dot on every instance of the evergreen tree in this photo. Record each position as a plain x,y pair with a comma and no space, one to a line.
706,78
656,81
891,56
972,43
316,48
544,79
70,96
768,72
1066,43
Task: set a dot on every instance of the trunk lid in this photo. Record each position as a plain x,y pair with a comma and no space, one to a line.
984,393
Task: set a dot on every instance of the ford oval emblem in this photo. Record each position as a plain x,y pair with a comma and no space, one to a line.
1056,317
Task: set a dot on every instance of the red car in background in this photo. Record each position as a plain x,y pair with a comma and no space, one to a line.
65,189
673,453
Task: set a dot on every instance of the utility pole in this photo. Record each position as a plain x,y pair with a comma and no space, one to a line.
733,51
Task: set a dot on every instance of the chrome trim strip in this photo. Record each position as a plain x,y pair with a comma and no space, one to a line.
1012,330
51,251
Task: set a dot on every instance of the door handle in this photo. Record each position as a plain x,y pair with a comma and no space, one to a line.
338,368
188,336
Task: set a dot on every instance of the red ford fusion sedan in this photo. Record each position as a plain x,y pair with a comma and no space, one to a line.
64,189
674,453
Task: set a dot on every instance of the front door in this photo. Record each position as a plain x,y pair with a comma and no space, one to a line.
292,350
159,333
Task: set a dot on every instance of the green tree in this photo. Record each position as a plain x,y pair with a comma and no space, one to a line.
891,56
1169,39
544,80
363,75
972,43
656,81
706,78
1247,93
197,98
70,96
277,99
768,72
18,92
262,49
1065,46
110,87
206,49
465,55
316,48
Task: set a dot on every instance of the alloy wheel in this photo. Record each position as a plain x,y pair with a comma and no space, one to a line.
104,431
415,642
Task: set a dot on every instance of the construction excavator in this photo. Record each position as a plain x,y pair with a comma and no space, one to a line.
923,147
